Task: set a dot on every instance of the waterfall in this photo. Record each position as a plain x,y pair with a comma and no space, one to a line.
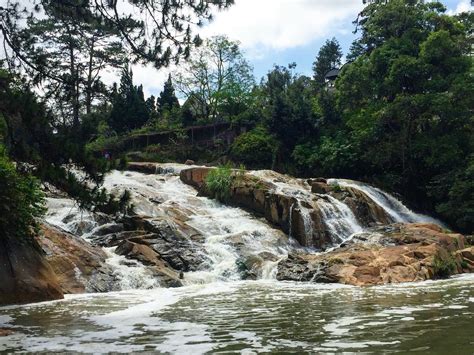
228,233
230,238
339,219
391,205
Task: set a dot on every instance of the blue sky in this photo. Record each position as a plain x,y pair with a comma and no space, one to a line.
280,32
304,55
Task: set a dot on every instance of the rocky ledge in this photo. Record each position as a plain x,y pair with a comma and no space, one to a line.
25,274
390,254
294,210
386,252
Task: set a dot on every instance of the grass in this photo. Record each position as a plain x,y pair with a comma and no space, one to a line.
219,182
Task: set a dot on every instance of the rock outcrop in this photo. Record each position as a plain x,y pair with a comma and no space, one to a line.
166,249
391,254
25,274
300,212
79,266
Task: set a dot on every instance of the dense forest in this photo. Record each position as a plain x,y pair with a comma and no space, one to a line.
399,115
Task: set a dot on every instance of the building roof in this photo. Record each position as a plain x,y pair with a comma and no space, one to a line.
332,74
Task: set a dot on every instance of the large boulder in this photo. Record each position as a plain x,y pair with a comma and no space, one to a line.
25,274
394,254
195,176
146,168
79,266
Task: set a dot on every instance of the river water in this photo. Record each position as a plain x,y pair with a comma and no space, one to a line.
216,312
253,317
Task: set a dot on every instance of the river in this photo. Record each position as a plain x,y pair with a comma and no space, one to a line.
252,316
217,312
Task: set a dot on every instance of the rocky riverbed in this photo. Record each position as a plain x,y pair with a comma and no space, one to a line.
272,227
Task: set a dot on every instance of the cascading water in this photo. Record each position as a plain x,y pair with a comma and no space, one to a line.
229,233
392,206
231,236
340,221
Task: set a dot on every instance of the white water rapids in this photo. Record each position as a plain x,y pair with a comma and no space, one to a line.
215,312
229,233
164,196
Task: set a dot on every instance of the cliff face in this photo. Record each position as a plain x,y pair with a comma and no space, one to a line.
25,274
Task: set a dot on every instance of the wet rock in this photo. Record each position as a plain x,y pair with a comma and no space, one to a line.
194,176
113,239
108,229
396,253
146,168
79,266
25,273
466,259
168,277
4,332
189,162
313,180
320,188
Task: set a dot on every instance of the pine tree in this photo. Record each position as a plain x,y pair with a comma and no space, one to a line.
329,57
129,108
167,100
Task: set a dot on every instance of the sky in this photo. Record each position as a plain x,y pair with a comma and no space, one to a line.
280,32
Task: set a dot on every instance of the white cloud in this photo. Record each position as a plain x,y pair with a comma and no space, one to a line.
265,26
462,6
262,25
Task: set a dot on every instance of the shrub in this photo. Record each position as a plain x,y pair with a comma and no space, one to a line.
443,267
21,201
219,182
256,148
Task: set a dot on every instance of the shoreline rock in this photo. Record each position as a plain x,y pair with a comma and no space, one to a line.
397,253
25,274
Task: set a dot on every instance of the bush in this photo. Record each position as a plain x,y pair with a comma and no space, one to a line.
21,201
443,267
219,182
256,148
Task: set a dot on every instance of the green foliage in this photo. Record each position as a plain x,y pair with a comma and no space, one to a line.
21,201
129,109
443,267
256,148
458,205
217,81
219,182
287,107
329,57
167,100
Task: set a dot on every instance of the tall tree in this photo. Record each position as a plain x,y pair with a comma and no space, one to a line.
216,77
64,45
329,57
408,100
167,100
129,108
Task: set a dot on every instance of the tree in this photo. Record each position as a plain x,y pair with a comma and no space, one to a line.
129,108
408,99
66,56
217,77
21,202
329,57
155,31
167,100
287,107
